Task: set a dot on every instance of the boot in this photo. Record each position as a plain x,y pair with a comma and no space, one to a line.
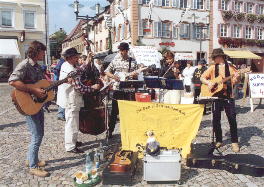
38,172
235,147
41,163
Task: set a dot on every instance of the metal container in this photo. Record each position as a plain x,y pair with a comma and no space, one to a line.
164,167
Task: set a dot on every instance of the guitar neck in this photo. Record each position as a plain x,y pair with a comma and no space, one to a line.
56,84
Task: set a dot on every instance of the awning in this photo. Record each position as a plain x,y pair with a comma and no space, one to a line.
241,54
184,56
9,48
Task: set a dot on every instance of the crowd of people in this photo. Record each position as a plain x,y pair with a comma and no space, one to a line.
70,94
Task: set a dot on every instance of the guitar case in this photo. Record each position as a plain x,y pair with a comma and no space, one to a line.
120,178
247,164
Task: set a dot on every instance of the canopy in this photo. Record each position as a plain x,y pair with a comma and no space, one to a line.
9,48
184,56
241,54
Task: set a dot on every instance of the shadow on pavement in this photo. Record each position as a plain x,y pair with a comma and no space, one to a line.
246,133
12,125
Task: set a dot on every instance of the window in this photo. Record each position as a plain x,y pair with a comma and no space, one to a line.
179,3
260,9
185,30
236,31
146,28
237,6
29,19
107,43
175,32
223,30
223,4
248,32
249,8
145,2
162,2
96,46
6,18
201,32
198,4
260,34
162,29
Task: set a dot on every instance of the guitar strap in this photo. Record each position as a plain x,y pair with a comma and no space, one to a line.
227,74
129,65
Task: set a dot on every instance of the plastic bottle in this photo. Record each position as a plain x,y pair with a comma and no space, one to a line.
88,163
97,159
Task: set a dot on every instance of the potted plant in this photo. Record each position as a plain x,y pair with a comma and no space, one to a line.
227,15
260,19
239,16
251,18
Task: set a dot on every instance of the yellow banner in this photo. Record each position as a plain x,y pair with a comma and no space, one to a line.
174,126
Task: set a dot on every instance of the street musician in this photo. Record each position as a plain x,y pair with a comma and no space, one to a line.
122,66
230,76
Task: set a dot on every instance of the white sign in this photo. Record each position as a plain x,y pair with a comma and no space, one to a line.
256,83
147,55
184,56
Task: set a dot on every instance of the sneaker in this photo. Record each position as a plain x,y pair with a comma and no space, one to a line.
38,172
41,163
218,144
76,150
62,119
235,147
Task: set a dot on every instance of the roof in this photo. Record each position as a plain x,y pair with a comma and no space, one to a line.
77,29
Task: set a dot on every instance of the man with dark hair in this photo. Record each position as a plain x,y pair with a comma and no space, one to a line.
122,63
29,72
221,68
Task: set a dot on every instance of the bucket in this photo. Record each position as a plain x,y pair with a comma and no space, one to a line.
143,97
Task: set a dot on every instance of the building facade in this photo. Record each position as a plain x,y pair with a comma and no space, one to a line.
238,25
21,22
177,25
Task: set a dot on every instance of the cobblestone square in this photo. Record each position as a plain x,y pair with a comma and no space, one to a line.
62,165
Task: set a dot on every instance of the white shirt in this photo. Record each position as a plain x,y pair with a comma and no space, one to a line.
67,96
187,75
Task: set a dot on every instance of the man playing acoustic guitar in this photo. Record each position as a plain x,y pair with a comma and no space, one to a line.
29,72
222,69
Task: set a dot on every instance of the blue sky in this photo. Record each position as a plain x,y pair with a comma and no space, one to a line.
62,16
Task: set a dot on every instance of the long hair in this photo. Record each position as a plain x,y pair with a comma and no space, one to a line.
34,49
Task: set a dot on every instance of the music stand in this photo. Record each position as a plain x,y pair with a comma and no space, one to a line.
134,84
211,101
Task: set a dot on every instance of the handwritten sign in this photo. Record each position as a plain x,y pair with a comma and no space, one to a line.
256,82
147,55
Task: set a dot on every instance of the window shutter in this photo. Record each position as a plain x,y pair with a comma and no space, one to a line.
232,31
140,2
218,30
194,28
245,7
219,5
140,28
257,9
156,29
122,35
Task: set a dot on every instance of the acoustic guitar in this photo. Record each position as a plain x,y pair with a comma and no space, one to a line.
121,163
218,85
28,104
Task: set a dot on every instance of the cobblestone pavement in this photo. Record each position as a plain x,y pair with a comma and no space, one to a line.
14,138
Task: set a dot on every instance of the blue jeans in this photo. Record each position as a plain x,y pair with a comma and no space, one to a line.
61,112
36,128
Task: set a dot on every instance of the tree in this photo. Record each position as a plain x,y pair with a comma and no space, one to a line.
56,40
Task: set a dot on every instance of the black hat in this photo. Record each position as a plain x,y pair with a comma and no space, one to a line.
218,52
202,62
71,52
123,46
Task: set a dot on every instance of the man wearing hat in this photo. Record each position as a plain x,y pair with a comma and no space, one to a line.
196,78
70,97
121,63
226,101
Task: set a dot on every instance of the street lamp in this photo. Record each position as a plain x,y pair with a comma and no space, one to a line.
76,5
201,27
